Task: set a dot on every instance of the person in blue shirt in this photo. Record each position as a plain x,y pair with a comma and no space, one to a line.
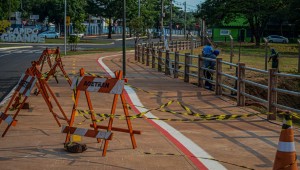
207,50
210,65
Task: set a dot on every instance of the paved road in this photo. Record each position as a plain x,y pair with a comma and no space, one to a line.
13,62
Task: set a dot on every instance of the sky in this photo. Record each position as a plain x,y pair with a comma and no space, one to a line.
190,4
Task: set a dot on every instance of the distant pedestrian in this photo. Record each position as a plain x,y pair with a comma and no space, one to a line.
275,61
207,50
210,65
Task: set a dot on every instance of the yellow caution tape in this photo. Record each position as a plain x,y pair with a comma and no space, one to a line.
94,75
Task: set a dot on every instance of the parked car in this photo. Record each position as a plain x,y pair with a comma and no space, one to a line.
80,35
277,39
49,34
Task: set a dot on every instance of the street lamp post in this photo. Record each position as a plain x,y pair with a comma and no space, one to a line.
124,38
139,8
65,27
171,13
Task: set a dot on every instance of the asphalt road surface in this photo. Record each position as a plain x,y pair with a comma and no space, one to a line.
14,62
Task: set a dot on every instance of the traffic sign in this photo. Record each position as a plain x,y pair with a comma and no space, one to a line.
68,20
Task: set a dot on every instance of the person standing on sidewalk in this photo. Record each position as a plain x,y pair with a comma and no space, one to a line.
210,65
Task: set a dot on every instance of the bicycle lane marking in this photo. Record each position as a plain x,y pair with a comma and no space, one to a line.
187,146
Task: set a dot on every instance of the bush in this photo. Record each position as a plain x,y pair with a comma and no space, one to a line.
73,41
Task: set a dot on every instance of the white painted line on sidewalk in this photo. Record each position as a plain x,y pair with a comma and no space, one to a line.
187,146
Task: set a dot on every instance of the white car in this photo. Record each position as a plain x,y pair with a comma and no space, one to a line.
80,35
277,39
49,34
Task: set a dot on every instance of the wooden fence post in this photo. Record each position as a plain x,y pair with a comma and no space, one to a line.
240,84
272,94
153,57
231,50
139,53
192,46
200,71
143,54
187,67
176,64
148,56
218,87
167,63
299,56
135,52
266,53
159,59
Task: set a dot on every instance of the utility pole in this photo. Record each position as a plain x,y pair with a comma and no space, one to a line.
161,20
9,10
139,8
124,38
171,20
65,27
184,32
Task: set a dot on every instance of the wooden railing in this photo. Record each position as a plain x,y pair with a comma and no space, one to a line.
191,67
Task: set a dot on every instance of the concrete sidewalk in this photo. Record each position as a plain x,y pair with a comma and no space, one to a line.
36,141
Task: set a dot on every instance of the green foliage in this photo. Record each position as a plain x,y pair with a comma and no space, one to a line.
7,6
73,41
257,12
3,25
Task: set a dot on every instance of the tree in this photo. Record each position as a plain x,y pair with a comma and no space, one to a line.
3,25
8,6
257,13
112,10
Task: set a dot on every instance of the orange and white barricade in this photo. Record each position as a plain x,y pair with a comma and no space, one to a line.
57,63
101,85
31,77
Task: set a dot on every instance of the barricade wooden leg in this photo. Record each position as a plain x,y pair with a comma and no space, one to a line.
9,104
66,75
16,114
42,62
48,102
51,72
89,102
128,121
111,119
73,115
56,101
49,60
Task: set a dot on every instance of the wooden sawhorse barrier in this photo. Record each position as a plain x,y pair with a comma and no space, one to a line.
46,57
101,85
57,63
27,81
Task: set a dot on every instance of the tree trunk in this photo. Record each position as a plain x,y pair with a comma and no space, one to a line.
109,28
250,20
130,32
